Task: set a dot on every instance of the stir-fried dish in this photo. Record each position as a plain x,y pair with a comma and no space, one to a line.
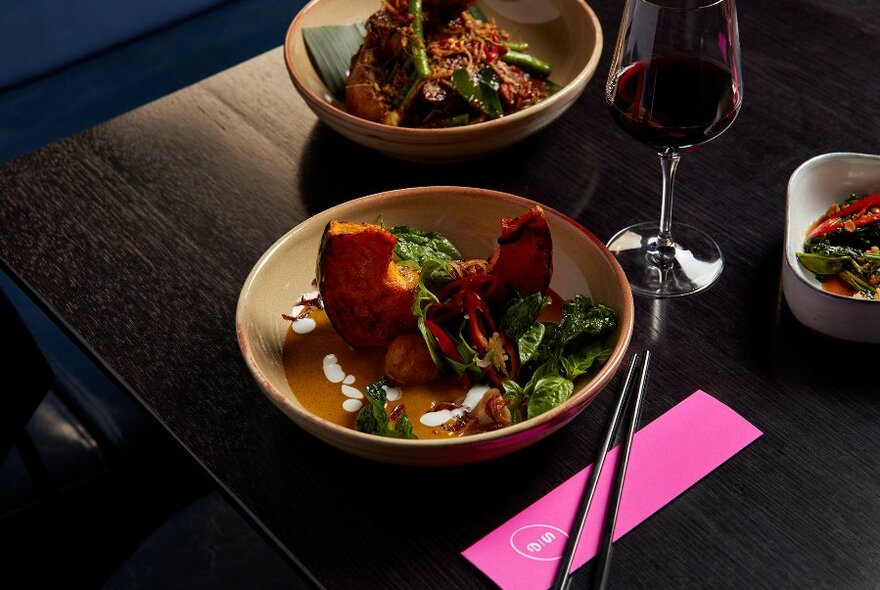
408,339
440,64
843,249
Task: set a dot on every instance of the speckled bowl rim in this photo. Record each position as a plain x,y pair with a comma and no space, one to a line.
401,134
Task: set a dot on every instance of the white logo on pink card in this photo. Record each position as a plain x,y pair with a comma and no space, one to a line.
541,542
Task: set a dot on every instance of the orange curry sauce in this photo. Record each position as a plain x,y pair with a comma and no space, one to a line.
304,365
304,357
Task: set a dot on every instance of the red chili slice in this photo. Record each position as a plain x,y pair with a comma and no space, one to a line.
447,346
494,378
861,203
471,283
827,228
464,297
833,223
443,312
480,323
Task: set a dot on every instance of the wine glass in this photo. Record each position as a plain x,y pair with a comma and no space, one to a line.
675,83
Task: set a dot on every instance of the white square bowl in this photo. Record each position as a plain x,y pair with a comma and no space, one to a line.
814,185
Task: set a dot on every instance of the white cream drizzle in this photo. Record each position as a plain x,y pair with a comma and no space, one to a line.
474,396
440,417
392,394
334,374
301,325
352,405
304,326
352,392
333,370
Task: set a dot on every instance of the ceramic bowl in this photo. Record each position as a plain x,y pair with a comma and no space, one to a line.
565,33
816,184
581,264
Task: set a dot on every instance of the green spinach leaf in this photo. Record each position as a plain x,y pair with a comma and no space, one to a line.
561,352
528,343
581,361
420,245
548,369
582,321
521,314
372,418
513,394
549,392
403,427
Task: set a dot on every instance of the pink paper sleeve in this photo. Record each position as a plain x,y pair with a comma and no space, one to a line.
669,455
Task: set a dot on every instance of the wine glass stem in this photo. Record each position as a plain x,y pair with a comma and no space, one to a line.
665,250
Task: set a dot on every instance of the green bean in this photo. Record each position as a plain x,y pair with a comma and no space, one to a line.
516,45
456,121
857,283
528,62
420,55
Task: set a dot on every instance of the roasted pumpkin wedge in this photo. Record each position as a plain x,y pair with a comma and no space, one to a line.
523,262
368,298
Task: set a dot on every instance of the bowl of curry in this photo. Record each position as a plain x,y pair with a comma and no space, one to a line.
323,378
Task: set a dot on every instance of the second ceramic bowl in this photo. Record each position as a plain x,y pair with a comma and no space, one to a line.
818,182
565,33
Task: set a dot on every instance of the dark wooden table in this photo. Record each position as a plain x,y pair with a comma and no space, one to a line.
138,235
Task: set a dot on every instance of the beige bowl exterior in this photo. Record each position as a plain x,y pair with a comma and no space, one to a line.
565,33
581,262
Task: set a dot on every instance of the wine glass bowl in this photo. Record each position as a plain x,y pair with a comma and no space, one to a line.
675,83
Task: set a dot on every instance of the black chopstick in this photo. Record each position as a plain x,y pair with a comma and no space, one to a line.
562,579
601,568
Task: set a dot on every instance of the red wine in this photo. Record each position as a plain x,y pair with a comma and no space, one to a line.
675,102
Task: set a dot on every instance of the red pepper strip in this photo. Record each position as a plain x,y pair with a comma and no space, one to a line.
825,227
449,309
494,377
447,346
487,287
480,305
855,206
443,312
831,222
471,283
493,51
478,314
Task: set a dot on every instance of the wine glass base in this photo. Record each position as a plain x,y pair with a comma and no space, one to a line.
691,265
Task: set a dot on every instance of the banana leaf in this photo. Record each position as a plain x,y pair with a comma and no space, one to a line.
330,49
